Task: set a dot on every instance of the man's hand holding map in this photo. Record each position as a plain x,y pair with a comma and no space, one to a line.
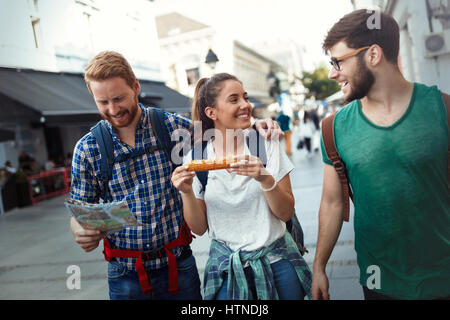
105,217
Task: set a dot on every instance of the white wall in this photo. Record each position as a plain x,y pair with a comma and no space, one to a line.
16,37
416,66
68,40
66,43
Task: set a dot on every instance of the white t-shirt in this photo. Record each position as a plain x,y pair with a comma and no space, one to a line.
237,211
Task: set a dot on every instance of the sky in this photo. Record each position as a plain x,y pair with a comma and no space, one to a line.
251,21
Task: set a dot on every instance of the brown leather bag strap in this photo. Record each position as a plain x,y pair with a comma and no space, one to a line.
339,165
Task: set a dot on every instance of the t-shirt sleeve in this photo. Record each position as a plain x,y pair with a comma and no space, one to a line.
324,154
196,184
278,163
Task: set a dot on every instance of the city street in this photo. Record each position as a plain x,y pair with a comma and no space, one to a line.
38,248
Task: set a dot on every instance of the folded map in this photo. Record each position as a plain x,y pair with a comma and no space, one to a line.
106,217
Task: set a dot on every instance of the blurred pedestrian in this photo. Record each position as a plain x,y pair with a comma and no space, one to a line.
245,208
9,168
401,192
307,131
25,161
314,116
284,122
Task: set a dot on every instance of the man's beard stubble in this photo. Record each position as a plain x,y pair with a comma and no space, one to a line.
363,82
131,115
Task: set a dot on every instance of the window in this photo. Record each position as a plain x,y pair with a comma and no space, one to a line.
193,75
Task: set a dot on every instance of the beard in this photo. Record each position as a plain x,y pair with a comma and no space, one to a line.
362,82
128,114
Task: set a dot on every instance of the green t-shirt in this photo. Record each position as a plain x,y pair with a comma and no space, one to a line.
401,195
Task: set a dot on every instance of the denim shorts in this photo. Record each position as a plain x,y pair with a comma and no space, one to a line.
124,284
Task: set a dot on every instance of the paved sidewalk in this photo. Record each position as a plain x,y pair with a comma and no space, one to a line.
38,248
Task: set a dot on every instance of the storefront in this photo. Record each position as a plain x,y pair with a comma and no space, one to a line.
49,112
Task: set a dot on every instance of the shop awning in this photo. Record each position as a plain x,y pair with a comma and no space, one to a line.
6,135
64,94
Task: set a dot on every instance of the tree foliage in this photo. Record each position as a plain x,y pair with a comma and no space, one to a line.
318,84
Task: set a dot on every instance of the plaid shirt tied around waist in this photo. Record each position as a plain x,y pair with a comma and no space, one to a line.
222,260
144,182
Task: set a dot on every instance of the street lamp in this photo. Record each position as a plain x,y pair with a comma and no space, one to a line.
211,59
440,9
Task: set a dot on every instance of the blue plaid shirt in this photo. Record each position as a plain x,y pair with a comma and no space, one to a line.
145,184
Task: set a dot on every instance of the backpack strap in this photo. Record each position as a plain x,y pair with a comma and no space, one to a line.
106,149
159,128
201,175
105,145
339,165
256,145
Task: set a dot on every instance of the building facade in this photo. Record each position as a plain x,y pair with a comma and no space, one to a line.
45,45
184,45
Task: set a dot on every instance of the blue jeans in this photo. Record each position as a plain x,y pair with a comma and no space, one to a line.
286,280
124,284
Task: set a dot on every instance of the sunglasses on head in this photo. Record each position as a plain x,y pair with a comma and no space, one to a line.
335,61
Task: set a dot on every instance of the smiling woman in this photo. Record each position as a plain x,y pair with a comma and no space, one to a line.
245,206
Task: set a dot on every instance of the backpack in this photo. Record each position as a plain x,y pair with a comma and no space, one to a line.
105,144
339,165
259,150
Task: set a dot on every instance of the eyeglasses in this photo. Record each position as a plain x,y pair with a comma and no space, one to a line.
335,61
